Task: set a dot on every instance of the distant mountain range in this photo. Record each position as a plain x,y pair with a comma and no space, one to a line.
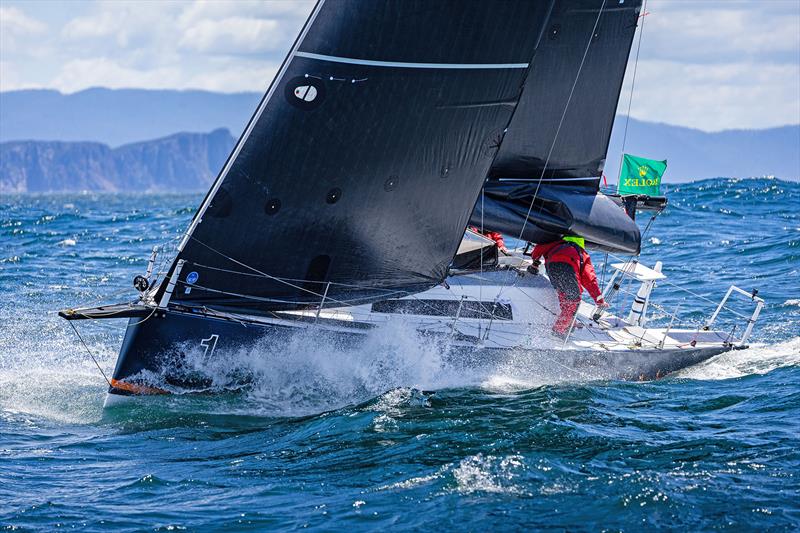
179,162
693,154
119,116
99,139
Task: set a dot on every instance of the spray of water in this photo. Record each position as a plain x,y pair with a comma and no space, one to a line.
758,359
312,371
47,374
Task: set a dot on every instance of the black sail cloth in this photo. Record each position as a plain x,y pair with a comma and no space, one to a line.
569,155
361,165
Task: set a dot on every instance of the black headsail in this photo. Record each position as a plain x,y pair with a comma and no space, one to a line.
555,149
357,173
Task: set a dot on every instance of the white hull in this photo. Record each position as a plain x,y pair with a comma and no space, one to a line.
533,307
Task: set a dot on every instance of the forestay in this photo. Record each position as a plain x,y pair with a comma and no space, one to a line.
356,175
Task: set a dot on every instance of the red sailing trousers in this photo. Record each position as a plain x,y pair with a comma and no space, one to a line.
570,271
568,309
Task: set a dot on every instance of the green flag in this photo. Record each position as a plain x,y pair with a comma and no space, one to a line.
640,176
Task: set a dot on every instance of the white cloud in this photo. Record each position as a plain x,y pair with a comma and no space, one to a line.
214,10
100,24
244,27
716,97
233,35
9,79
710,64
95,72
214,27
222,75
14,27
123,24
718,65
214,45
12,20
235,77
703,32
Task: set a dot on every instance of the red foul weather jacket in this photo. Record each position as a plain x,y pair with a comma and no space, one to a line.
555,252
494,235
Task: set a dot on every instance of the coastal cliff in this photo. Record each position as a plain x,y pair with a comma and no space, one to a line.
179,162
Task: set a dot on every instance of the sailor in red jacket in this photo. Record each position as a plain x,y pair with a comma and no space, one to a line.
570,270
497,237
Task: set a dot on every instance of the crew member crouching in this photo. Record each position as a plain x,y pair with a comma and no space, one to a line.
570,270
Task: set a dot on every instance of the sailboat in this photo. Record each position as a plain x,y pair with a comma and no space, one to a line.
389,129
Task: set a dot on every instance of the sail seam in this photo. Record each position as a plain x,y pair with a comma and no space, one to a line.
403,64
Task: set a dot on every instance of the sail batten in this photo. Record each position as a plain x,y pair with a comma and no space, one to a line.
401,64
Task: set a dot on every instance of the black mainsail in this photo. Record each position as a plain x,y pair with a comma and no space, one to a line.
549,165
356,175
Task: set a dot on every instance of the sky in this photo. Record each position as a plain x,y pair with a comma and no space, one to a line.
710,65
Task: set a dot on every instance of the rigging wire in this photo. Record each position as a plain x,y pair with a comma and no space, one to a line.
603,276
480,287
344,303
273,278
558,131
90,353
666,282
258,275
563,116
633,83
625,131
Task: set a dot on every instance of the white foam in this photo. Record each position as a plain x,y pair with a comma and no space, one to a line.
479,473
311,371
507,384
758,359
45,371
413,482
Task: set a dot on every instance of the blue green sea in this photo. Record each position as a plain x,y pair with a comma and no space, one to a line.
392,438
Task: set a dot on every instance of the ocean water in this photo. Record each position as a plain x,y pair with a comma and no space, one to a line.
331,439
